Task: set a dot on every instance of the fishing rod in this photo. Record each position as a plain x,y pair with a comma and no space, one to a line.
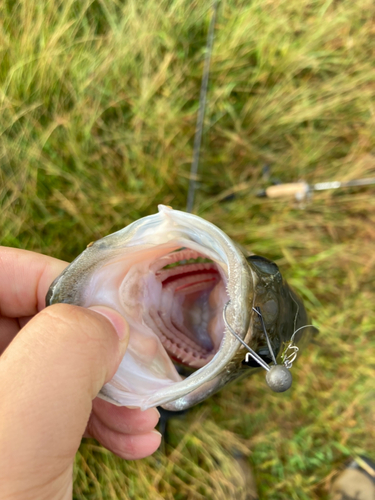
201,111
301,190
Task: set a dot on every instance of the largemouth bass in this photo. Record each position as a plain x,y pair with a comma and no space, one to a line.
170,275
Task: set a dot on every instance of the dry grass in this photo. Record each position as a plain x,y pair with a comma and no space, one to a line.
98,103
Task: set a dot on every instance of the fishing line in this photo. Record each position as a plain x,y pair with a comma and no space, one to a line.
201,111
288,359
296,315
257,310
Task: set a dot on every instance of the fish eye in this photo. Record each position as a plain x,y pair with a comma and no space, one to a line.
263,264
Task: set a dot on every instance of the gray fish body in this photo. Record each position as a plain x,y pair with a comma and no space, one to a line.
170,275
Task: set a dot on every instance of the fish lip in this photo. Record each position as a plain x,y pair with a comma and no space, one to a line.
196,231
238,316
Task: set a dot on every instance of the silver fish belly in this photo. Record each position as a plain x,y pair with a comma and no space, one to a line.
170,276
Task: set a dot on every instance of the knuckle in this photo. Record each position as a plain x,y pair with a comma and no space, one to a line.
126,447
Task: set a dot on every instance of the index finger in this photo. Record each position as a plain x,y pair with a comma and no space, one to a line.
24,281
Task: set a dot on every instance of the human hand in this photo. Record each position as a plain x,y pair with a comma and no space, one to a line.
53,363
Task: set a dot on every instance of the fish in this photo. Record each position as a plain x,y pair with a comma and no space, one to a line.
170,275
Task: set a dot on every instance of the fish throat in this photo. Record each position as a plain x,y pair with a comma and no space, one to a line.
187,317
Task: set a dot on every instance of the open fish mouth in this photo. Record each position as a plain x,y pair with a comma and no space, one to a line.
169,275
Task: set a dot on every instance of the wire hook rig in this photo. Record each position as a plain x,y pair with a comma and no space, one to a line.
278,377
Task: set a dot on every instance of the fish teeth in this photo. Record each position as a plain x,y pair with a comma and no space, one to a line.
174,349
168,344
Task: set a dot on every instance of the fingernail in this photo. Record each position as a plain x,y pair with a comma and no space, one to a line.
157,411
150,409
156,432
119,323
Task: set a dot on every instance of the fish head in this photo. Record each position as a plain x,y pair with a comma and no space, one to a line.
170,275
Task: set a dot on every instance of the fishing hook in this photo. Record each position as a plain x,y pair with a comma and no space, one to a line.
278,377
253,354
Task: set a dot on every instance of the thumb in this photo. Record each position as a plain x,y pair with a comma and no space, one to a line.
49,376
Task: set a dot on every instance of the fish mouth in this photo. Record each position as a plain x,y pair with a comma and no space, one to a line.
187,319
169,275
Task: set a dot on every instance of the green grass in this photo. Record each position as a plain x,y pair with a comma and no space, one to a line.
98,103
